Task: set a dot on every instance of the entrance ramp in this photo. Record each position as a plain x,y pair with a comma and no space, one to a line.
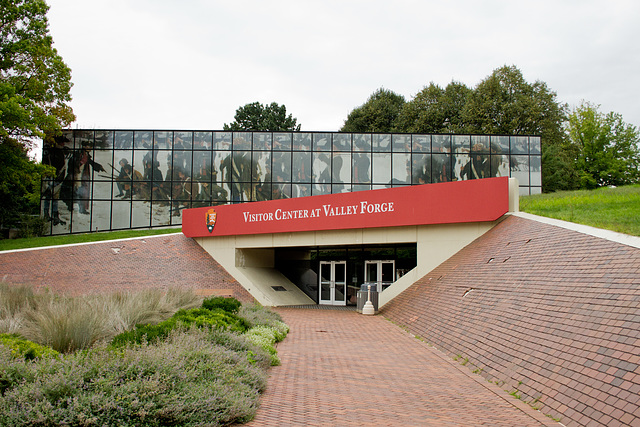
274,288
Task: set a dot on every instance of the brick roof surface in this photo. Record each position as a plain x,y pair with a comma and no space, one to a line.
550,314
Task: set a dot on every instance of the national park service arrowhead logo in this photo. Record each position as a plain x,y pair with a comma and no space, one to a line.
211,216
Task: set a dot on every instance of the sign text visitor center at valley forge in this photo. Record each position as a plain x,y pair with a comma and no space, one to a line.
329,211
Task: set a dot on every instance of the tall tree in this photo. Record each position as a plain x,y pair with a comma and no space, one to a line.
378,114
607,150
505,103
35,82
435,110
258,117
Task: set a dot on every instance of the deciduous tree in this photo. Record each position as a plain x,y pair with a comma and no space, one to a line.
378,114
259,117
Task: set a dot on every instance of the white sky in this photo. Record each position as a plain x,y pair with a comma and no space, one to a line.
189,64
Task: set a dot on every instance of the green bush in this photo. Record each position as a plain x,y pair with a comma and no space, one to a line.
213,318
230,305
265,338
25,349
257,315
149,333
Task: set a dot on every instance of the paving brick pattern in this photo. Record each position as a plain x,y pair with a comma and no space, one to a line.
153,262
550,312
341,368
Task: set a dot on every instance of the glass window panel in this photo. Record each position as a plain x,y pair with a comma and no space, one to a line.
524,191
441,143
519,144
361,187
301,167
121,214
142,139
361,142
281,167
282,141
66,139
535,166
104,140
319,189
321,168
261,166
480,143
341,142
202,140
202,165
301,190
441,167
241,166
500,144
420,169
102,190
361,168
401,168
242,140
201,195
163,140
221,166
401,143
261,191
105,160
241,192
520,169
141,190
534,144
421,143
478,167
536,190
262,141
460,161
181,162
281,191
81,223
84,139
461,143
382,143
160,214
341,172
301,141
500,165
183,140
100,216
222,141
382,168
379,187
176,213
220,193
321,142
123,139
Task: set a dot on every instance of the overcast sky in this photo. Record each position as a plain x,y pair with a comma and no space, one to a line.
189,64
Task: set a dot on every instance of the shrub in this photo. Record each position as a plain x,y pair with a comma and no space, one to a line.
214,318
25,349
186,380
265,338
145,333
230,305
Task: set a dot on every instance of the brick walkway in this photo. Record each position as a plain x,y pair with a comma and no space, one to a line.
342,368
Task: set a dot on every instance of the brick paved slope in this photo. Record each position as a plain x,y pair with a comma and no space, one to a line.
152,262
340,368
550,312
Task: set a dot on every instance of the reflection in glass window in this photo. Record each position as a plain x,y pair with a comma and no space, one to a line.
499,144
401,168
440,167
261,166
460,162
341,142
104,140
222,141
382,143
84,139
382,168
461,143
281,166
143,140
202,140
66,139
241,141
301,141
163,140
520,169
478,167
401,143
421,143
361,168
123,139
301,190
441,143
420,169
282,141
261,191
480,144
321,142
341,171
519,144
361,142
183,140
221,158
262,141
301,168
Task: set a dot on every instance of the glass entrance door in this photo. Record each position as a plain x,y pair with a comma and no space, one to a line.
380,272
333,282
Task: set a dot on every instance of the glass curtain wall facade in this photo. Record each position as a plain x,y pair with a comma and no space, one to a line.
121,179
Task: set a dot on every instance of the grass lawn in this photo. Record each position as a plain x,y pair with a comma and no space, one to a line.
616,209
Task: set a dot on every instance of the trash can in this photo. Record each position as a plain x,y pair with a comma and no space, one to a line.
362,296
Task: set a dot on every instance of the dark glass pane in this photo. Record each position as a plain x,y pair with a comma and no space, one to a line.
281,167
421,143
480,144
301,190
183,141
301,167
441,167
202,140
104,140
500,144
478,167
361,168
421,169
361,142
441,143
123,140
461,143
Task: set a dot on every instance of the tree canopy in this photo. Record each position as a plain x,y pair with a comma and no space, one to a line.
258,117
35,82
378,114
